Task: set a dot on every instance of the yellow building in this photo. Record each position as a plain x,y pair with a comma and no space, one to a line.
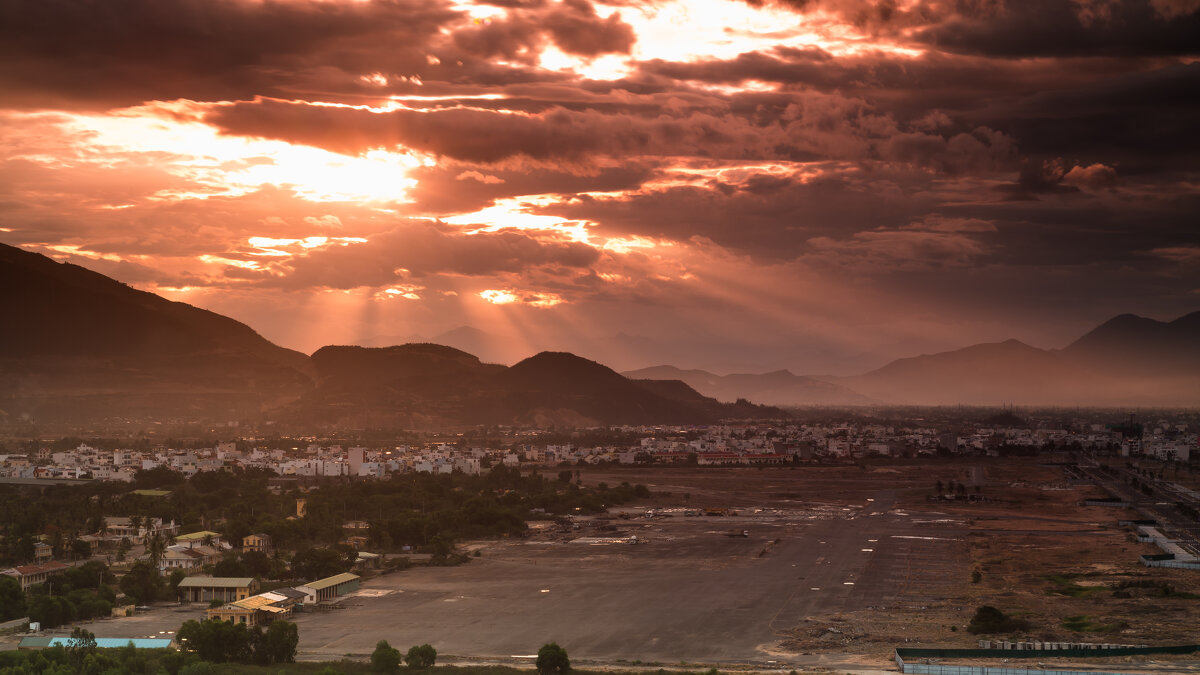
256,610
207,589
257,542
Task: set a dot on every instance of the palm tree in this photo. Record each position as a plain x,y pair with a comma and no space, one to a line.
156,546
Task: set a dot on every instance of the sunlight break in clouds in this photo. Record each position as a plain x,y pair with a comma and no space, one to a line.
173,135
531,298
703,172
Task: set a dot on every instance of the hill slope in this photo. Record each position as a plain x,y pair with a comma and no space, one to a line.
1013,372
420,385
1134,345
84,345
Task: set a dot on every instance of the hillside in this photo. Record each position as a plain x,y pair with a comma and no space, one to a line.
779,388
1013,372
82,345
431,385
1134,345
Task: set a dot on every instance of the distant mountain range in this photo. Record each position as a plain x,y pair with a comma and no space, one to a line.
1128,360
80,347
780,387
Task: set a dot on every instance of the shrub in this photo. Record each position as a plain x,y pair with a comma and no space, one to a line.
420,656
988,619
552,659
385,658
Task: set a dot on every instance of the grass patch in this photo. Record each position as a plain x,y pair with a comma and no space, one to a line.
1064,584
1082,623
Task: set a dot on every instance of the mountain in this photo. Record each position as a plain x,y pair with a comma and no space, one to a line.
780,388
489,348
421,385
1014,372
1134,345
80,345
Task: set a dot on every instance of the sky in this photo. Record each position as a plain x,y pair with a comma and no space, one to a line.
820,185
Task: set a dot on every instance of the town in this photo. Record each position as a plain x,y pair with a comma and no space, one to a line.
916,510
1170,436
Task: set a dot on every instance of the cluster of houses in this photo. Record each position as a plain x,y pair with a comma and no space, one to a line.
238,599
745,444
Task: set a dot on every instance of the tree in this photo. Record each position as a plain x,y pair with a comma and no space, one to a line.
216,641
385,658
156,546
318,563
422,656
81,645
81,549
552,659
141,583
123,548
12,600
280,642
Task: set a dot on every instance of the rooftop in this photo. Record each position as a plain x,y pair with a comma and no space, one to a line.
331,581
216,582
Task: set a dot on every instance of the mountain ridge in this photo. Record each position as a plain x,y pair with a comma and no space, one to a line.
88,346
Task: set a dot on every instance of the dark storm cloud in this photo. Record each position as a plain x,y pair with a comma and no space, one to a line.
573,26
578,30
122,52
1144,121
417,250
812,126
768,217
460,188
484,136
1061,28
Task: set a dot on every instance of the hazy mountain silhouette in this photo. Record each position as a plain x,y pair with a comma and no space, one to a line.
1128,360
79,346
780,387
1014,372
489,348
423,384
1134,345
83,345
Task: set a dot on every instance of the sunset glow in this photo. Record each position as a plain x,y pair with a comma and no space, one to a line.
813,185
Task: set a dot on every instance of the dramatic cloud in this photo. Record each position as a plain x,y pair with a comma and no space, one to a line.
816,184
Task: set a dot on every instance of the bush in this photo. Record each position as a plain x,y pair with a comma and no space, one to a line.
552,659
988,619
385,658
422,656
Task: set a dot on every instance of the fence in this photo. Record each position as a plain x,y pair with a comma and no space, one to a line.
1177,564
1084,652
938,669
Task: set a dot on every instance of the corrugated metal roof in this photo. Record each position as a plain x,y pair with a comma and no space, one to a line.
253,602
331,581
216,582
197,536
33,642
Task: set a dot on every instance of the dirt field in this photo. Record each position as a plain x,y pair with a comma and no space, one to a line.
838,566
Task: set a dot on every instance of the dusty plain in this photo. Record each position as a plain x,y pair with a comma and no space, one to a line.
839,565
